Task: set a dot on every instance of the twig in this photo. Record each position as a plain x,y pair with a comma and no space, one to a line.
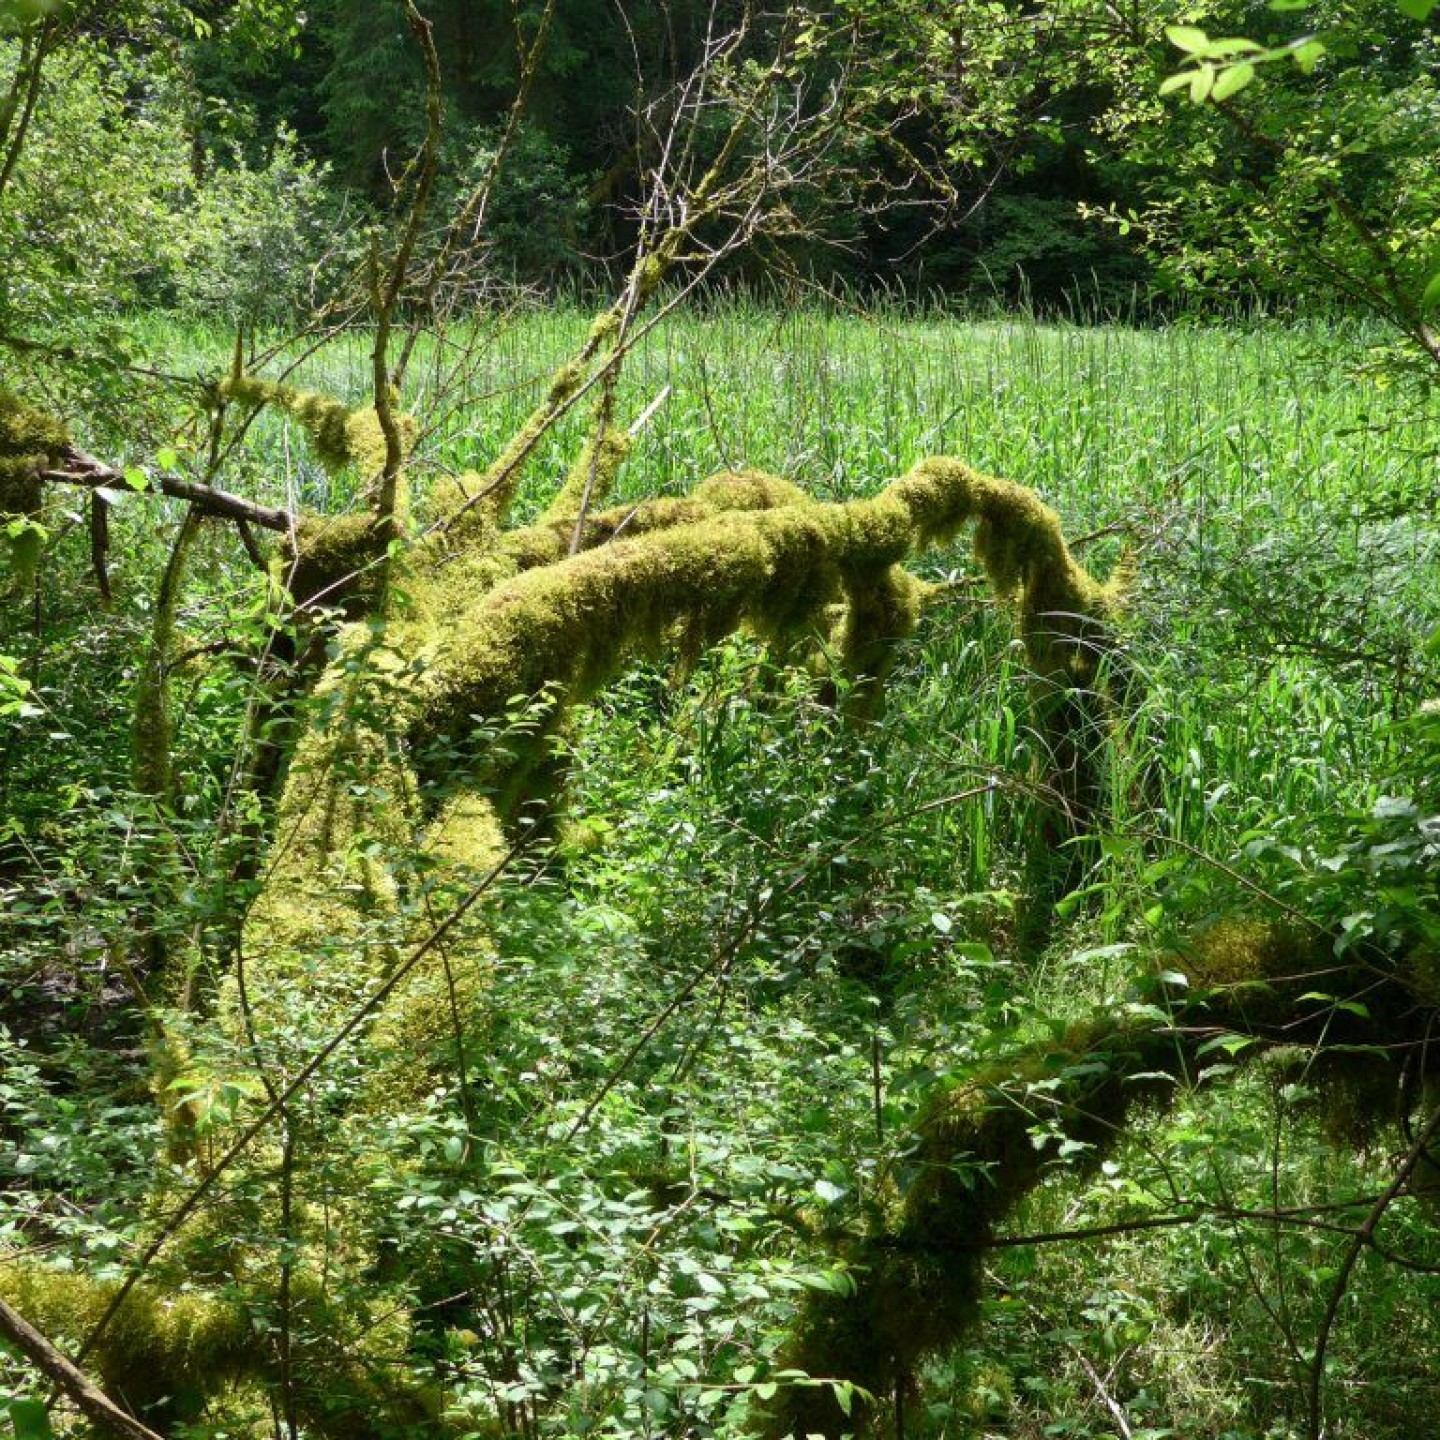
1106,1398
1364,1237
72,1381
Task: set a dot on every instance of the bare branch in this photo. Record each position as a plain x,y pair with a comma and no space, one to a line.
93,1402
83,469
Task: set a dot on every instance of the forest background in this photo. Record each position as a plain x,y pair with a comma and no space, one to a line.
544,893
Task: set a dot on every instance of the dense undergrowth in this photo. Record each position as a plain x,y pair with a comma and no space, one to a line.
718,997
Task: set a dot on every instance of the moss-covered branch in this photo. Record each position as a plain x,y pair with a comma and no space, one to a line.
341,436
973,1157
756,554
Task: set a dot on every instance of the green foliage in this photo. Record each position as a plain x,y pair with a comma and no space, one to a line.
1318,181
255,245
810,937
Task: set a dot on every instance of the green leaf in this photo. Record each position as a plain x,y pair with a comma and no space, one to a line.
1187,38
136,478
1201,83
1233,80
31,1420
1308,54
1172,83
1431,296
1416,9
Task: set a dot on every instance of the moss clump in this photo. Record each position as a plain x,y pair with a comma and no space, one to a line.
749,490
550,539
340,436
337,561
30,441
324,919
1020,544
170,1355
757,553
159,1349
1243,951
443,1005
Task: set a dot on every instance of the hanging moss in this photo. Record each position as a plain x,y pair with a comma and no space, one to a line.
340,436
30,441
322,919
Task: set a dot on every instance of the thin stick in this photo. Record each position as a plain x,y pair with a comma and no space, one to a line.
97,1406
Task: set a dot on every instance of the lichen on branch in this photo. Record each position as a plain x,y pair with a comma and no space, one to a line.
341,436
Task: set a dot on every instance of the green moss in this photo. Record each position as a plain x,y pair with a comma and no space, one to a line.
757,553
434,1022
22,491
172,1353
152,728
1240,951
568,379
28,435
336,561
592,477
340,436
749,490
175,1347
31,440
324,918
973,1157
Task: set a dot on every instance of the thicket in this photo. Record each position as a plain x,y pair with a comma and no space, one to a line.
502,946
